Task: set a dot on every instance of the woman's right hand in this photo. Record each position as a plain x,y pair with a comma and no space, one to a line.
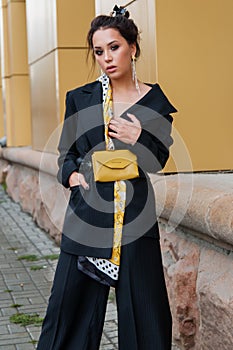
78,179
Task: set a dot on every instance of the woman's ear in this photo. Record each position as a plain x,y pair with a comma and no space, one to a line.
133,49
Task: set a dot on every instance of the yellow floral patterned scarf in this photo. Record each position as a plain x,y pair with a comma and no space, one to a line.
106,271
119,186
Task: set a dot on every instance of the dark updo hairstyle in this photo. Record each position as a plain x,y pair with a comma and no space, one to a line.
126,27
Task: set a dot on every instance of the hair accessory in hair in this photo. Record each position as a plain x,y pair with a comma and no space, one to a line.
121,10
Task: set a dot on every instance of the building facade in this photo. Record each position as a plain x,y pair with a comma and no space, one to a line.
185,47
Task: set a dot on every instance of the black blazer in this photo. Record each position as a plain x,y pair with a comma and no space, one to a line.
89,219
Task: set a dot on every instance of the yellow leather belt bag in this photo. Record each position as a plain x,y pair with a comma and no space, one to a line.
114,165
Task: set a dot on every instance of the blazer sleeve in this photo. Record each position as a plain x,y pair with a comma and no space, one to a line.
152,147
68,153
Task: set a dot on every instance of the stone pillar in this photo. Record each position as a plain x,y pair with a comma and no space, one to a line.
15,77
57,59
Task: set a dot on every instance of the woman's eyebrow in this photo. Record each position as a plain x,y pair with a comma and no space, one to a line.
111,42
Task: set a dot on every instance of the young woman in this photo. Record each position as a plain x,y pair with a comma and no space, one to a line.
110,235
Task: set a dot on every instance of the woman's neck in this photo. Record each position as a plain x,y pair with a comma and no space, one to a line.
123,86
125,94
124,90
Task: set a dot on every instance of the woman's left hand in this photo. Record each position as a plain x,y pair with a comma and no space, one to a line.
124,130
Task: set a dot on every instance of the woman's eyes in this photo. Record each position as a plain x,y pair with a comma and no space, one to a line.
112,48
98,52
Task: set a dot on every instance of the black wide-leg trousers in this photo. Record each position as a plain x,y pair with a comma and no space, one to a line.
77,305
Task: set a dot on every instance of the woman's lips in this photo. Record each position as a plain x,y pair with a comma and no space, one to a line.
111,69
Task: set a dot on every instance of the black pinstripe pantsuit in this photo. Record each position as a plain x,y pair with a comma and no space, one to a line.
76,310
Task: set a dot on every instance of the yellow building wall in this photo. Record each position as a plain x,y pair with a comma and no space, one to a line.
15,77
2,130
186,47
57,59
195,55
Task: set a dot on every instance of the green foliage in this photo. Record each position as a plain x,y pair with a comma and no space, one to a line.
37,267
16,305
4,186
32,257
111,296
26,319
28,257
33,341
51,257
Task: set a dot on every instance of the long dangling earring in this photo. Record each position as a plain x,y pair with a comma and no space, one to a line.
134,75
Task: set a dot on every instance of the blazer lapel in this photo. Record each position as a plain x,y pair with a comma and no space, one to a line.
91,113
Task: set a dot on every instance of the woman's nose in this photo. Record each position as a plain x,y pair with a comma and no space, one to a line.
107,56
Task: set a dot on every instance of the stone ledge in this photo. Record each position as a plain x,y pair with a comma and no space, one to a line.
200,202
45,162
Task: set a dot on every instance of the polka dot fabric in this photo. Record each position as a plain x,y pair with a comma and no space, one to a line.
105,266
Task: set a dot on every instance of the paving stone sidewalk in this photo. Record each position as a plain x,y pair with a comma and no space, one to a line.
25,285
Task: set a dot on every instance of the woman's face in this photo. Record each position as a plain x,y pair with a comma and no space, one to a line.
113,53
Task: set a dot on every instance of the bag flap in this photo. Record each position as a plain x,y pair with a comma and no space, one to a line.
118,159
117,163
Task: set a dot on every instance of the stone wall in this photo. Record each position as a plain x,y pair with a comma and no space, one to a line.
200,284
30,178
196,224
